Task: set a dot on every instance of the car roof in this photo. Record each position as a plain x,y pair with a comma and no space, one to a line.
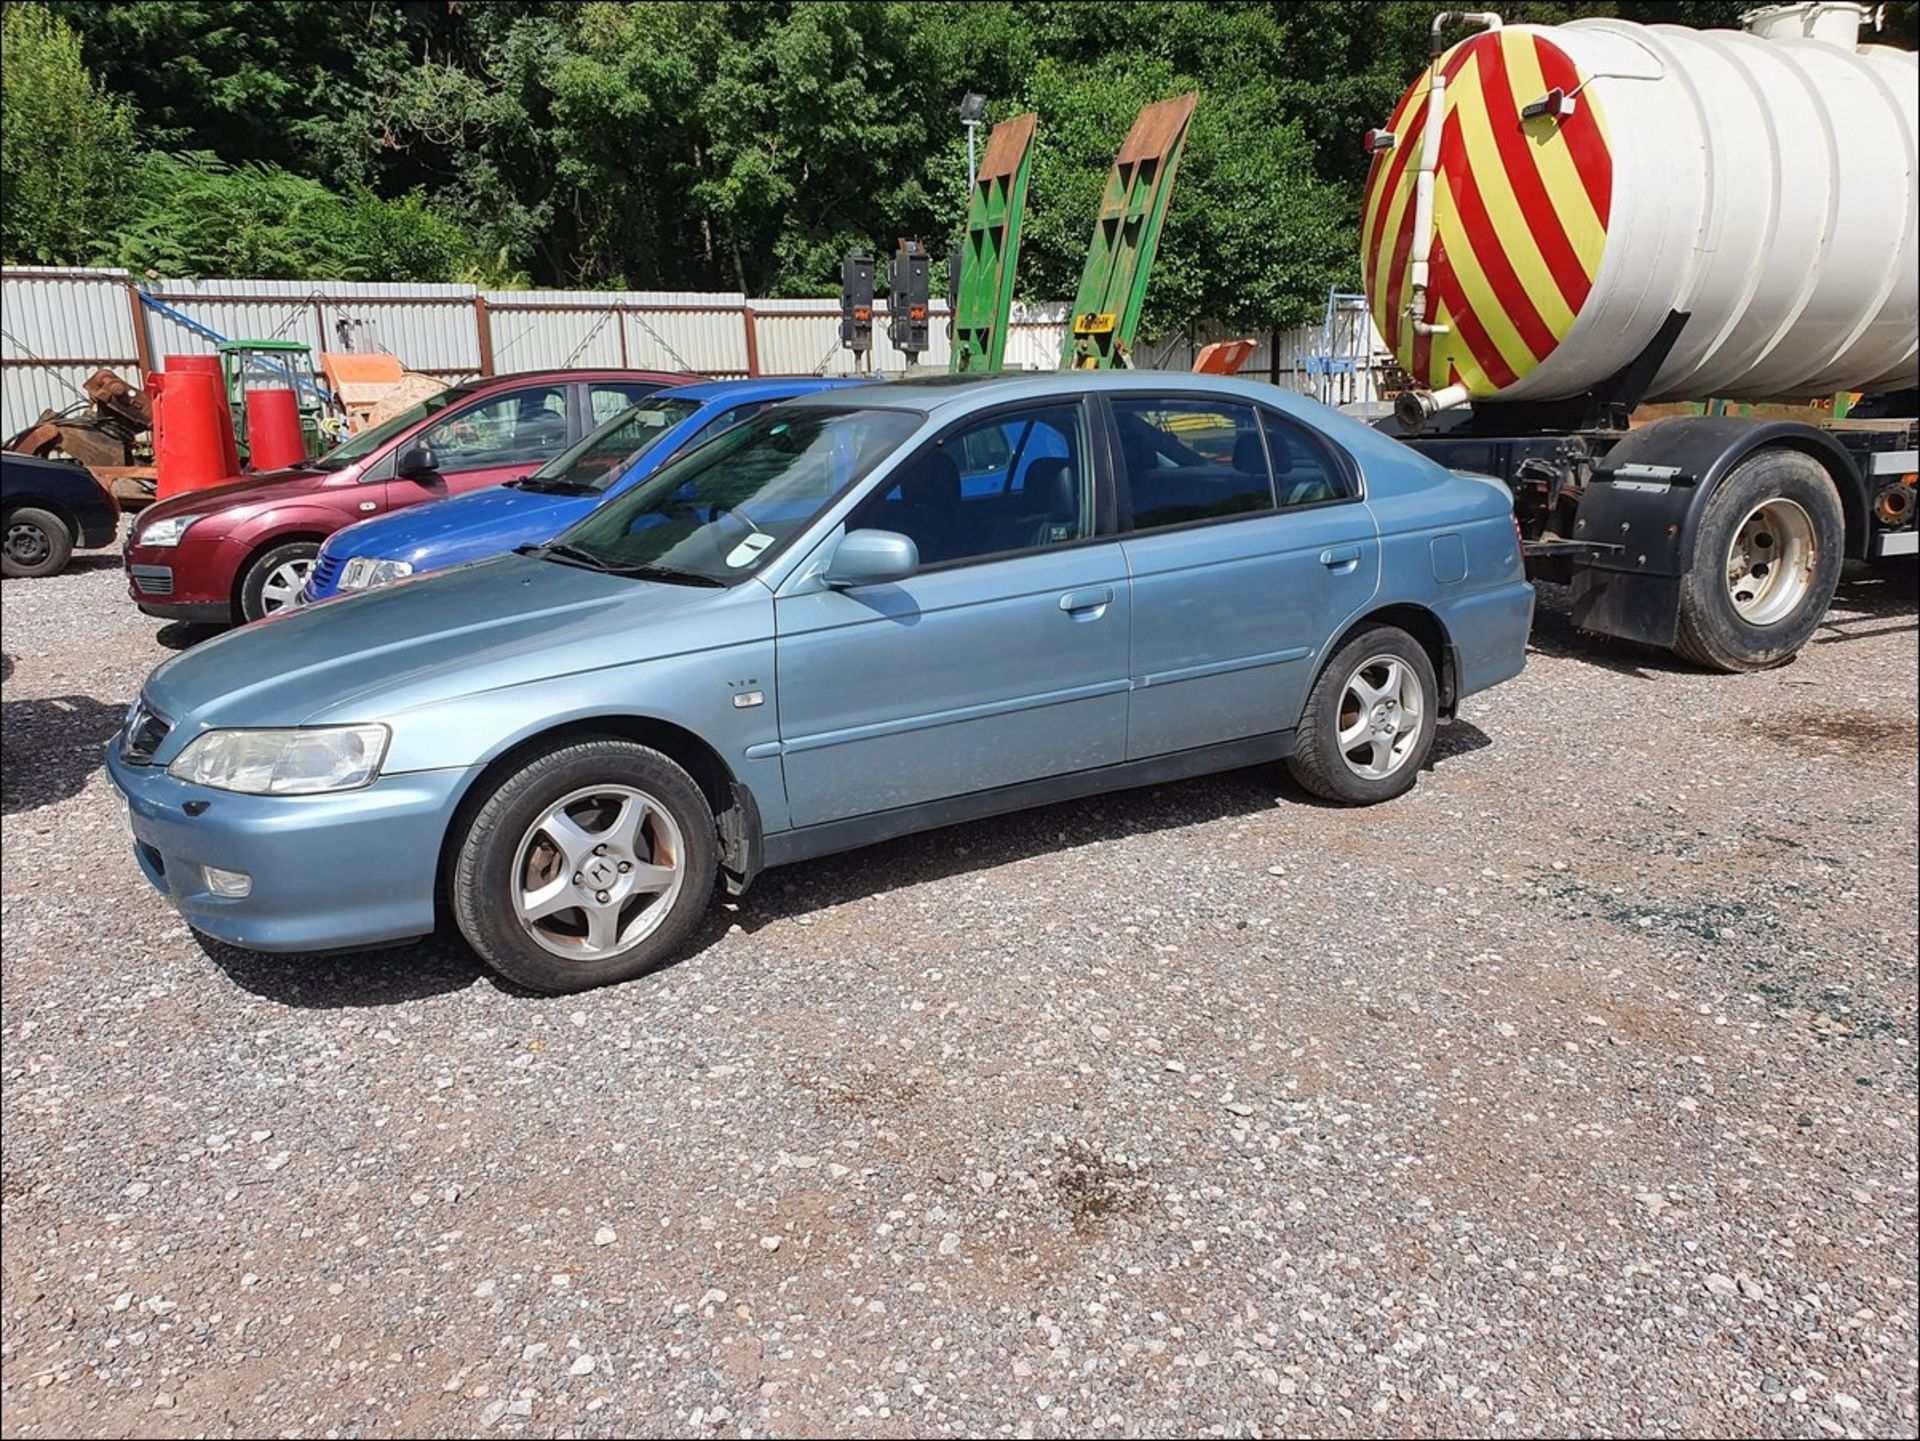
766,387
520,377
935,394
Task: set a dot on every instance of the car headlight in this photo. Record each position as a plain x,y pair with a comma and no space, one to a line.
165,532
296,762
364,572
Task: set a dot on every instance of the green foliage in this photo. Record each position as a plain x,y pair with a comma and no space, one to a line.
199,216
66,146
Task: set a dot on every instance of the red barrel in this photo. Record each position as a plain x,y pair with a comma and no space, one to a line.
210,365
273,429
187,453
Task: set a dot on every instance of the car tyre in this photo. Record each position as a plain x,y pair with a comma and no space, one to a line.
1767,561
37,543
275,578
550,912
1369,720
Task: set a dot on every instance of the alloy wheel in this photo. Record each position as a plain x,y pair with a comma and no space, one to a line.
598,872
1382,708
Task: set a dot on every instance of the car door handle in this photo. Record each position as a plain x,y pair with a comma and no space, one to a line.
1087,604
1341,559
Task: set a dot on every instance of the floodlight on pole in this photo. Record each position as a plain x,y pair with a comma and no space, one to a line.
973,110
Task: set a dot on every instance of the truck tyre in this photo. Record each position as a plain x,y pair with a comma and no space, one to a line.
275,579
37,543
590,864
1766,561
1369,719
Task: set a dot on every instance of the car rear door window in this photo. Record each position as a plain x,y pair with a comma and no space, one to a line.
1305,471
607,398
1186,460
1012,482
518,427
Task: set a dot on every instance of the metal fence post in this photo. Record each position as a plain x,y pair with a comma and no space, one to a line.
749,323
142,348
483,332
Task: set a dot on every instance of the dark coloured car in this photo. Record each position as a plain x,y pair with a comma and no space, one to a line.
243,551
50,509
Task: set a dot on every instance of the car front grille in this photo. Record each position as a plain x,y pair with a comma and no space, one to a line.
152,579
326,574
142,734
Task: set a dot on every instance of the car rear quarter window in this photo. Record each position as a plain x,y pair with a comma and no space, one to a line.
1184,460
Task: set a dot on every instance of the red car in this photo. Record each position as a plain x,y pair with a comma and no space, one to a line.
241,551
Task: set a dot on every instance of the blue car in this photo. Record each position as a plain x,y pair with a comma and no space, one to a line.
537,507
845,619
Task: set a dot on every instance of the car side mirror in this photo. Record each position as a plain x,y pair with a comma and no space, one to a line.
871,557
416,463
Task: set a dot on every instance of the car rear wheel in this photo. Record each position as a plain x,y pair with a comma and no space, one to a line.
276,578
590,864
37,543
1369,720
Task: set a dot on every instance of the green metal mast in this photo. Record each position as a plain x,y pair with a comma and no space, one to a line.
987,259
1106,312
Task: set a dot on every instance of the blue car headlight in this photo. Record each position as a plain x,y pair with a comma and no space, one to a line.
364,572
296,762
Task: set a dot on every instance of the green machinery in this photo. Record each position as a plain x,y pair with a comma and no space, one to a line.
1106,312
276,364
984,295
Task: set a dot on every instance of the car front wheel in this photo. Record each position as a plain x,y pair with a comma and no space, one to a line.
590,864
276,578
1369,720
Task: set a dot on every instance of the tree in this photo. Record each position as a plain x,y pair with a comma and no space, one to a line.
66,145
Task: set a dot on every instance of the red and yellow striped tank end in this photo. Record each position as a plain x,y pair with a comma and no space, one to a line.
1520,211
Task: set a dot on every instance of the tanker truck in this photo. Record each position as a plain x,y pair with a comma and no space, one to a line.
1565,226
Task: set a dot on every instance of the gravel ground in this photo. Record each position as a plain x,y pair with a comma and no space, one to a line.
1574,1093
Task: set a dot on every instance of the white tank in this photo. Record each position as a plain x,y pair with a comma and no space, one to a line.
1529,229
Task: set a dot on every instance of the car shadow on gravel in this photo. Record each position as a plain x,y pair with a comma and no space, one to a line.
186,634
50,748
93,560
344,979
443,963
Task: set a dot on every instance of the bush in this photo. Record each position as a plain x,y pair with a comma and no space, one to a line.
66,146
199,217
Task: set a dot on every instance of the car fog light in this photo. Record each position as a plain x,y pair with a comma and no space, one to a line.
231,884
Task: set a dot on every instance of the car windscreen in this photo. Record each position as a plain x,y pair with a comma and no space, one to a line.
359,447
606,455
718,513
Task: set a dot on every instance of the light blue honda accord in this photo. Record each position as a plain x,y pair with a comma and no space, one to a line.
851,617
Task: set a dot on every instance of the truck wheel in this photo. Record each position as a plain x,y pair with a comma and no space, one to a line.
275,579
38,543
591,864
1765,564
1369,720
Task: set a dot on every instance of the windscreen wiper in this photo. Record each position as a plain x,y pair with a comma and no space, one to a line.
565,554
668,574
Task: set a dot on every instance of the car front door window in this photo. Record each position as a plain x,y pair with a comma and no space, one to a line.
522,427
997,487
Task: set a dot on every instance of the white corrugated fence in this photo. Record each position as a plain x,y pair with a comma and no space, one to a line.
58,326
